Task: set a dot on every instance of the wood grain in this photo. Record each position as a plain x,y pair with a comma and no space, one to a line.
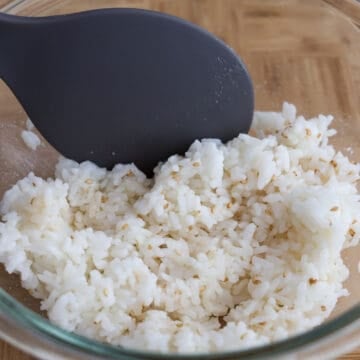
349,8
8,352
302,51
4,3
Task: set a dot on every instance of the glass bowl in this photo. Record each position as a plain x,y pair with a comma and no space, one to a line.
303,51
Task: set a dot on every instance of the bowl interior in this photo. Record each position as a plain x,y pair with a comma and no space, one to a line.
302,51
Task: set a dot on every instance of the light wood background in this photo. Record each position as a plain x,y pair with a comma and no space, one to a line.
317,68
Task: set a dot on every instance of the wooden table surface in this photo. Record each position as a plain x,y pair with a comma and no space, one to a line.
256,9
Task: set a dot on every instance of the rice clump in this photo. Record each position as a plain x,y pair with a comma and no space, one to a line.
231,246
30,139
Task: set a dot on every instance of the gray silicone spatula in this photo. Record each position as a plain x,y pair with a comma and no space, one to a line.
124,85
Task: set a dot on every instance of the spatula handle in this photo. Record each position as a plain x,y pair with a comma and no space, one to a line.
11,44
5,41
17,39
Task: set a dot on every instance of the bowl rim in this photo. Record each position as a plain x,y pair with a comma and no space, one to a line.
346,324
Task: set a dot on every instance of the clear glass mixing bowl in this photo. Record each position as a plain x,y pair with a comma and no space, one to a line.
303,51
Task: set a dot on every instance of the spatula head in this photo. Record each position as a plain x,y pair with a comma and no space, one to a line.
125,85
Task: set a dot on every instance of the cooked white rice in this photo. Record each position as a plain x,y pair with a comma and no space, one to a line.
30,139
231,246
